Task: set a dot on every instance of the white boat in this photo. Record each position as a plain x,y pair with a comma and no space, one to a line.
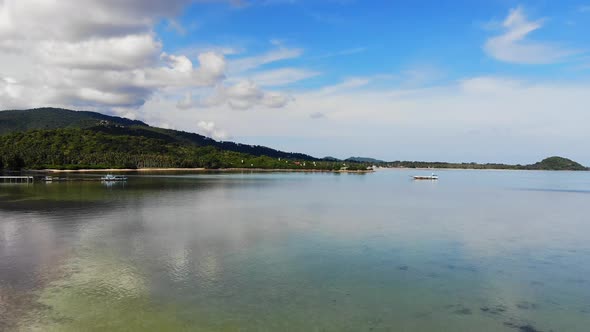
426,177
110,177
53,179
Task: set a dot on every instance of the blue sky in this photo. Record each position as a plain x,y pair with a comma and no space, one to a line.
486,81
374,37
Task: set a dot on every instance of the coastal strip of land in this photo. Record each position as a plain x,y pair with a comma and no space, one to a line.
199,169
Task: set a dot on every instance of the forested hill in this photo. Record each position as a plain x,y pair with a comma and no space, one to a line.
13,121
120,147
53,118
558,164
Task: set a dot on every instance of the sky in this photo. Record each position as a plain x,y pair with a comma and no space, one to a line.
484,81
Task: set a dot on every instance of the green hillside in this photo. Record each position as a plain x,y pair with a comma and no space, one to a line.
558,164
55,118
65,139
114,147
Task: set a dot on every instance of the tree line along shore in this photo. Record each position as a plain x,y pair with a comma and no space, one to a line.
86,149
58,139
78,149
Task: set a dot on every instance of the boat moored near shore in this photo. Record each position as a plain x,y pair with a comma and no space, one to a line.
110,177
426,177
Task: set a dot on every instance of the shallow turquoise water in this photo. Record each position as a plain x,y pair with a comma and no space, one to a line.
475,251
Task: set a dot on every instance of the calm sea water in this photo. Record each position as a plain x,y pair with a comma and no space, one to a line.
475,251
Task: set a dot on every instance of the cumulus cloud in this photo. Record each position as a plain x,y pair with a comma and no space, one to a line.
9,90
210,129
82,19
245,95
513,45
100,54
186,102
114,53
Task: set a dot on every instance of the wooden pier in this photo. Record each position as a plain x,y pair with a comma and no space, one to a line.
17,179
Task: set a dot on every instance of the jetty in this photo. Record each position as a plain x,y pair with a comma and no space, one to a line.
17,179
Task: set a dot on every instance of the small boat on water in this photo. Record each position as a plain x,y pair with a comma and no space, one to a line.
110,177
426,177
53,179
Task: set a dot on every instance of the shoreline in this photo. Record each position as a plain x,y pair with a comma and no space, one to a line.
480,169
204,170
274,170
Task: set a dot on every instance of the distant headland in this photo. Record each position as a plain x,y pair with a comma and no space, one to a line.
548,164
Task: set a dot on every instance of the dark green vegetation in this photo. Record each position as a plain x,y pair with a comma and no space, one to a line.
558,164
63,139
54,118
548,164
364,160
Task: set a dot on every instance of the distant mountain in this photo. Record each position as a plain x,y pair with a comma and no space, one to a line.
55,118
364,160
330,158
557,164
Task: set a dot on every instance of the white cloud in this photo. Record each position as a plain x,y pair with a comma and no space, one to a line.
210,129
244,95
81,19
100,54
348,84
194,50
114,53
513,45
9,90
244,64
489,85
174,25
274,99
186,102
536,119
